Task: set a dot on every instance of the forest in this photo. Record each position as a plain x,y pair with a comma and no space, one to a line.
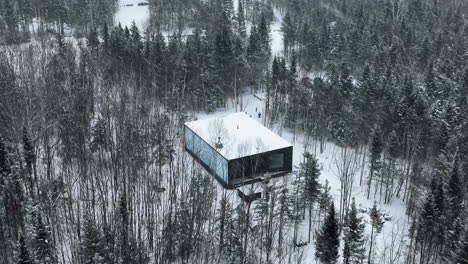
373,94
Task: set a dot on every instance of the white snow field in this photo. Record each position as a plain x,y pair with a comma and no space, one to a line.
130,11
239,133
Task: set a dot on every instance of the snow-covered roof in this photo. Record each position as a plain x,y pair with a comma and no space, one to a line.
239,134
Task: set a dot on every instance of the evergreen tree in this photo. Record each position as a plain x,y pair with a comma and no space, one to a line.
426,225
241,21
92,247
264,37
353,250
328,240
137,45
430,83
105,36
29,155
43,244
4,161
223,58
462,256
366,100
93,40
455,193
375,156
310,172
377,223
11,21
439,205
24,256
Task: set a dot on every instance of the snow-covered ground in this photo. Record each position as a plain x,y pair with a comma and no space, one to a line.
394,231
130,11
276,35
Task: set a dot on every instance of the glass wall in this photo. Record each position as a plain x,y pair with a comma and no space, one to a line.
208,155
276,161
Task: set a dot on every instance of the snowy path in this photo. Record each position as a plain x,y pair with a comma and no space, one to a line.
130,11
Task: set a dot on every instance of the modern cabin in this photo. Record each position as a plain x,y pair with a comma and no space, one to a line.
237,149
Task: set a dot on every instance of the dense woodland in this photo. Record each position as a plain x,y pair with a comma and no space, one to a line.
92,168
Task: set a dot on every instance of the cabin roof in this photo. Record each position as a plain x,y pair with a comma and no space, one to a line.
239,134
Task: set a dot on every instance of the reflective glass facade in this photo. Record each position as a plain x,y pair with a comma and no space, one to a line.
240,171
210,158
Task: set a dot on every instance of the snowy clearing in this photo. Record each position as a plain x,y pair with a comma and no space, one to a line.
129,11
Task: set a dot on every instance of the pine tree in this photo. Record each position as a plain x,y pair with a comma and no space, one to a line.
29,156
366,100
241,21
462,256
223,58
438,195
328,240
223,218
375,156
310,172
105,36
4,161
430,84
377,223
43,243
285,214
24,256
353,251
93,40
426,226
92,245
12,22
137,45
264,37
455,208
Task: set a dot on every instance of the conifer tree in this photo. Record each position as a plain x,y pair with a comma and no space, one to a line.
375,156
311,172
462,256
24,256
4,161
92,247
328,240
136,39
285,214
353,251
264,37
426,226
11,21
377,223
438,195
29,156
93,40
105,36
241,21
455,208
43,244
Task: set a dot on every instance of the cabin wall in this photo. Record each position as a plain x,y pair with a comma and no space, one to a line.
208,156
251,167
